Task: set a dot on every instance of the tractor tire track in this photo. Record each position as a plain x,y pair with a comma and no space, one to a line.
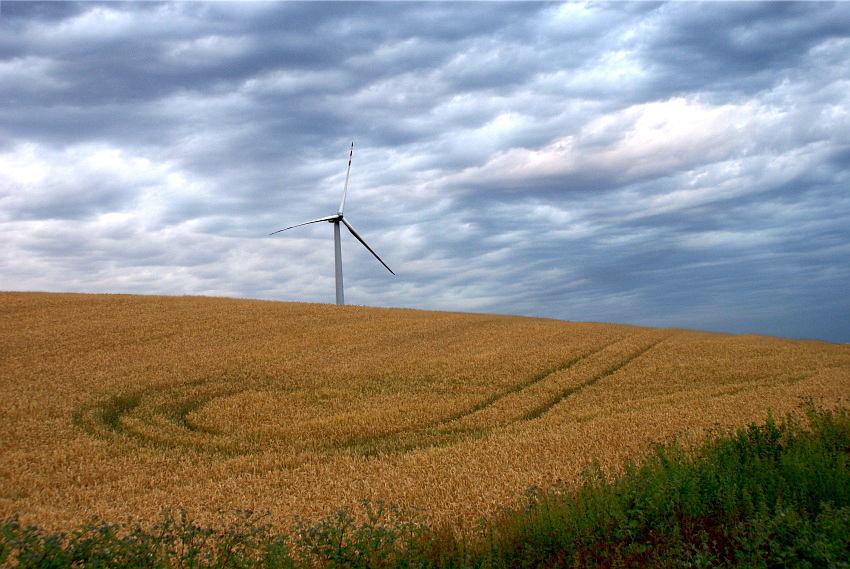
452,429
568,392
520,403
160,417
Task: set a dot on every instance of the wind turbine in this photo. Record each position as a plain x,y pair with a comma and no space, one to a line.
336,219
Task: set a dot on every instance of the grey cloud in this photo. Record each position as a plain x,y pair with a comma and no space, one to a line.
743,48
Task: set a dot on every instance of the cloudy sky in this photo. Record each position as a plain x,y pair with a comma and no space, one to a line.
662,164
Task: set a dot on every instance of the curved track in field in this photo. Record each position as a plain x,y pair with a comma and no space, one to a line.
162,417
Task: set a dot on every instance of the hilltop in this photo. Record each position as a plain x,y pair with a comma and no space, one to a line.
122,405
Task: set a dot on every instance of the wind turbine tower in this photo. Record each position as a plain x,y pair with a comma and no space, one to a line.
336,219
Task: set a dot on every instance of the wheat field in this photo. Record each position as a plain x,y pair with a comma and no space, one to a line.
120,405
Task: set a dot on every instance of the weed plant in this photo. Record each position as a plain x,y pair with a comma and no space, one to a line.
771,495
775,495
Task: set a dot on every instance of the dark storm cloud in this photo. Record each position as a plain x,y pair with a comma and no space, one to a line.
744,47
681,164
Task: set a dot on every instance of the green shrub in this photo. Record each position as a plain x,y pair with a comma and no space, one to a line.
767,495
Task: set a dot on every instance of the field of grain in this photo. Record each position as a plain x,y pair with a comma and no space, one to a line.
122,405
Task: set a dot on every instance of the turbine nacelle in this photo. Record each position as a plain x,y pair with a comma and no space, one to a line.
336,219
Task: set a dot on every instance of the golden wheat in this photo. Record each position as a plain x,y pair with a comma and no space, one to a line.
127,405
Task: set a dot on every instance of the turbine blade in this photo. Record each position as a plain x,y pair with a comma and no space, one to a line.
347,174
351,229
328,218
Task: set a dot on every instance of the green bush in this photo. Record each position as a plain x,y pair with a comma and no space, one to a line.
766,496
